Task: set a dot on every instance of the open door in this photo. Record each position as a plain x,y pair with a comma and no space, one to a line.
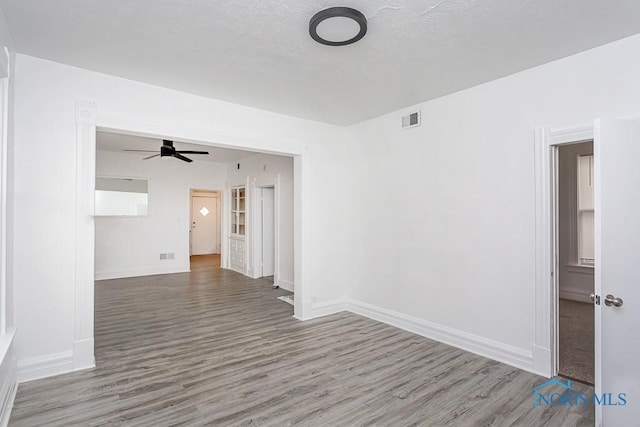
617,272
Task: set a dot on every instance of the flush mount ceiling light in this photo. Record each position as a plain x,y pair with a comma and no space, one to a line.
338,26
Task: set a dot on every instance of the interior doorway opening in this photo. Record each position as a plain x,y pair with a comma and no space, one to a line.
574,227
205,236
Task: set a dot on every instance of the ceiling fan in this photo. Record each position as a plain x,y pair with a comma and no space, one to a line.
168,150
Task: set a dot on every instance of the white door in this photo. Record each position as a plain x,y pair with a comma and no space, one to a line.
617,270
268,232
204,225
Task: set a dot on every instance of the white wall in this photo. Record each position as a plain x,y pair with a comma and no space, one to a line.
128,247
576,281
45,181
442,219
432,226
6,169
7,332
262,170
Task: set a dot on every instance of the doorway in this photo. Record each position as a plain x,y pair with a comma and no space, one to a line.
205,224
575,261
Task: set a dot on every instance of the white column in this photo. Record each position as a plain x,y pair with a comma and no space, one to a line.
302,235
83,342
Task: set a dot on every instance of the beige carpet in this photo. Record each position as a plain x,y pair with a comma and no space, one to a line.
576,340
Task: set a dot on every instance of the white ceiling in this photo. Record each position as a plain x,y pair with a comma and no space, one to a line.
107,141
258,52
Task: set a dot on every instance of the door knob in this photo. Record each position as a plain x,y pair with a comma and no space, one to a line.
610,300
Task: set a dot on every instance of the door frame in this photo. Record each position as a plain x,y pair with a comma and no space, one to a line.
218,213
256,222
545,349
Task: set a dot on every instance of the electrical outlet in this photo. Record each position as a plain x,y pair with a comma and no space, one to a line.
170,255
163,256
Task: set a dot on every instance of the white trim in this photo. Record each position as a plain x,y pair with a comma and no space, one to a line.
8,380
476,344
302,303
541,358
4,142
306,305
8,401
575,294
249,194
329,307
546,291
83,354
256,231
276,232
570,136
472,343
256,248
580,269
597,272
225,211
5,62
45,366
544,265
284,284
108,275
86,114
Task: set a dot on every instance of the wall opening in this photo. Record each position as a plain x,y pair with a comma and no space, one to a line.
575,267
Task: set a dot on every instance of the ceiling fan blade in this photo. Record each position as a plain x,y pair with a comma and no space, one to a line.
142,151
181,157
191,152
151,157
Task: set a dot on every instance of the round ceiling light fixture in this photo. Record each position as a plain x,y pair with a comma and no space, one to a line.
338,26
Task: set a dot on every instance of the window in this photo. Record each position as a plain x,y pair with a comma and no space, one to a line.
586,250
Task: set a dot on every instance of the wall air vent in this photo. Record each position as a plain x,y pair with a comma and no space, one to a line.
411,120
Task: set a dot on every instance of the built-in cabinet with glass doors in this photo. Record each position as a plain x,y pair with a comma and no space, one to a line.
238,211
237,229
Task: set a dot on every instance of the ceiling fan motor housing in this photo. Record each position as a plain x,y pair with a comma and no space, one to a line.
167,148
167,151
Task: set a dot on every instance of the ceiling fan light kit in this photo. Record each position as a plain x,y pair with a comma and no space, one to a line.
338,26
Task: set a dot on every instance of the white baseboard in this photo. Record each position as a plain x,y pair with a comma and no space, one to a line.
238,270
328,307
45,366
9,397
8,379
303,310
575,294
542,361
83,354
287,286
473,343
108,275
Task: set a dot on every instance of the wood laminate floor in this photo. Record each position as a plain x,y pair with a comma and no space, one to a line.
213,347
